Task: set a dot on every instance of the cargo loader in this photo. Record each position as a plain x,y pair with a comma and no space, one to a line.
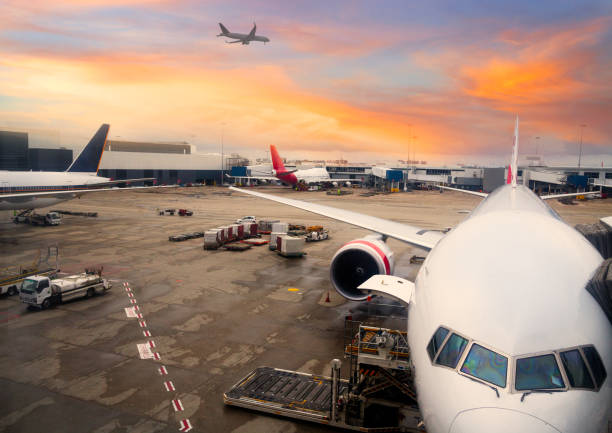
378,396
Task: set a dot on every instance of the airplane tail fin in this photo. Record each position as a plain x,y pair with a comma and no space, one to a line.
277,162
513,168
88,160
224,30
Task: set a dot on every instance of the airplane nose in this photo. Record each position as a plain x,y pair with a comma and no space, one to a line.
498,420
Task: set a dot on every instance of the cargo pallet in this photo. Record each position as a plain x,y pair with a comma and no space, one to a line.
378,396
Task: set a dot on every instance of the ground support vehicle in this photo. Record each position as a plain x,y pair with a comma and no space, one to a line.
42,292
11,278
378,395
31,217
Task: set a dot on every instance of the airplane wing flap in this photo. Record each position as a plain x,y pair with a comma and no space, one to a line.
422,238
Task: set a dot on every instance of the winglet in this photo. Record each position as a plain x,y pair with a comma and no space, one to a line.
89,159
513,169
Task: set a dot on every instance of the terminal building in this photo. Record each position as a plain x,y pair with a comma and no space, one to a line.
15,154
169,163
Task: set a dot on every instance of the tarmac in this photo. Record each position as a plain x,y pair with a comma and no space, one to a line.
212,316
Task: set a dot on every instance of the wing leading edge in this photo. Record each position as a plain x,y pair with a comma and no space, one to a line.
415,236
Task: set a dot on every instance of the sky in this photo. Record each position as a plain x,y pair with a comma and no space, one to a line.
369,81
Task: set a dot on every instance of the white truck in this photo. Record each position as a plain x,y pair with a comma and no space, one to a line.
41,292
30,217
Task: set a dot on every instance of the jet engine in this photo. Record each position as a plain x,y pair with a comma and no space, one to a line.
357,261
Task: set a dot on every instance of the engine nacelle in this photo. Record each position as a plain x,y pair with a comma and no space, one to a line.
357,261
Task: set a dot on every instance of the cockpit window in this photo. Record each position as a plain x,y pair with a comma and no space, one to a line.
576,370
538,372
486,365
436,342
597,367
452,351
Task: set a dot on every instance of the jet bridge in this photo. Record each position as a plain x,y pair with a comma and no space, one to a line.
378,395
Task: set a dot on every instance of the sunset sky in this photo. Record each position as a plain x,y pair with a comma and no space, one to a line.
359,80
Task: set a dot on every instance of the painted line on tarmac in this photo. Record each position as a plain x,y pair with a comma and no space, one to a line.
146,352
185,425
177,405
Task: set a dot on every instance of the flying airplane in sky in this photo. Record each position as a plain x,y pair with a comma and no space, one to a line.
504,335
309,176
244,38
34,189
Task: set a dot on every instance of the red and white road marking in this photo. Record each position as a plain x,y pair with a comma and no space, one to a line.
146,352
177,405
185,425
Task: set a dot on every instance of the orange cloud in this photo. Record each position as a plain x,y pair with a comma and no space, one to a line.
527,82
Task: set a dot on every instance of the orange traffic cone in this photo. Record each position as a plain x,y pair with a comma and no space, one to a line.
327,299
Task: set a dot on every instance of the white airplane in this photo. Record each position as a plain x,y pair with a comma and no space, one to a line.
504,336
35,189
244,39
309,176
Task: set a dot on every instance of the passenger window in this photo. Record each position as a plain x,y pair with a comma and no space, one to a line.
43,284
576,370
436,342
538,372
597,367
486,365
452,351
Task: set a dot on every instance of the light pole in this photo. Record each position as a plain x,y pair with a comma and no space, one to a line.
580,154
222,162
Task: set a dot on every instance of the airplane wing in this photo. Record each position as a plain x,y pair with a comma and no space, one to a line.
573,194
467,191
252,177
116,182
422,238
75,192
234,42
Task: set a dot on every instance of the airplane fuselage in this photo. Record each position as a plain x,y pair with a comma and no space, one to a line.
245,37
308,176
510,278
14,182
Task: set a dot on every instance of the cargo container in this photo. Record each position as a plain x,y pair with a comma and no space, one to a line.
280,227
212,239
265,226
273,237
290,246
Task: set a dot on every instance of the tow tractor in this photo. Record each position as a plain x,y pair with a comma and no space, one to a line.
11,278
379,394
